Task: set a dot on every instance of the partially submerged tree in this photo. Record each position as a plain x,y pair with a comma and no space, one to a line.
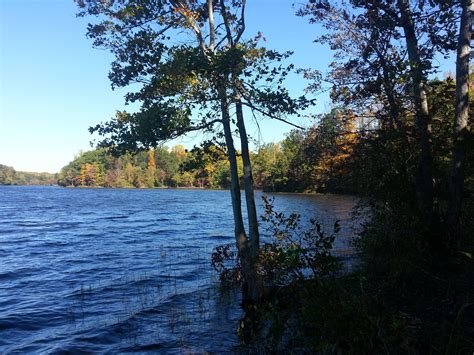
191,64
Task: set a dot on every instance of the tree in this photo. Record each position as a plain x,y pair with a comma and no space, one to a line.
204,162
385,51
269,169
424,183
88,175
151,169
189,87
176,78
461,124
167,166
7,175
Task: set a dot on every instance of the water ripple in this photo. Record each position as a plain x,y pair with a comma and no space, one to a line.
107,271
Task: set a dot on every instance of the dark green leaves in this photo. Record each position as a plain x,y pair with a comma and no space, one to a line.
144,129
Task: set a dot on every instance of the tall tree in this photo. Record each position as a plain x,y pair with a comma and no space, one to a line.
461,124
424,179
176,78
185,86
385,52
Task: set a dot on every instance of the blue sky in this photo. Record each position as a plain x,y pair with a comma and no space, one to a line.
54,85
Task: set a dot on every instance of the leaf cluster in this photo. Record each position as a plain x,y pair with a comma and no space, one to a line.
295,253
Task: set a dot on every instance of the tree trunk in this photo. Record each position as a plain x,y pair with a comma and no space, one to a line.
394,110
250,202
248,181
251,289
251,293
424,179
241,237
461,126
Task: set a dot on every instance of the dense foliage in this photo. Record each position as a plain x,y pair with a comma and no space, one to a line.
403,142
159,167
9,176
312,160
306,160
409,157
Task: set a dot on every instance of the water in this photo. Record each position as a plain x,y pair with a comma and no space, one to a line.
99,270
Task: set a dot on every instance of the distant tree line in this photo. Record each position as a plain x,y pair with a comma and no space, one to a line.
9,176
306,160
160,167
340,153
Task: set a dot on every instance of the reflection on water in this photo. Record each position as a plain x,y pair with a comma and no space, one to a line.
97,270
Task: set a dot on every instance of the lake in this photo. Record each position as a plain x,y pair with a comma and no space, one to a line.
119,270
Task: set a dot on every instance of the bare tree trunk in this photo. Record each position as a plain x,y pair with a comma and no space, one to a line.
249,254
210,10
424,180
221,85
241,237
251,286
248,180
250,202
461,125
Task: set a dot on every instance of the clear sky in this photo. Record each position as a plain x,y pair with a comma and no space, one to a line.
54,85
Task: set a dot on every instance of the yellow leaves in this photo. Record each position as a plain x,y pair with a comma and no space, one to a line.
193,80
122,116
179,151
254,53
209,168
89,174
151,164
187,13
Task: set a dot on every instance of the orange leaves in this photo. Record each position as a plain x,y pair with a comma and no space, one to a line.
187,13
89,174
151,163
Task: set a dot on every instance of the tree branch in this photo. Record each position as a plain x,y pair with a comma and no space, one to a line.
225,17
192,23
242,22
211,25
253,107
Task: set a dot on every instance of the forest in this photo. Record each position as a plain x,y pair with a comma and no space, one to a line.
312,160
399,136
9,176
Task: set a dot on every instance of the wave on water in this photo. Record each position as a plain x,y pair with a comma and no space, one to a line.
97,270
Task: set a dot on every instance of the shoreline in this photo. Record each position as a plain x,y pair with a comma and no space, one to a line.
308,193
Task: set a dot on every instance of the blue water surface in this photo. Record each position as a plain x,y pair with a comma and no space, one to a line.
123,270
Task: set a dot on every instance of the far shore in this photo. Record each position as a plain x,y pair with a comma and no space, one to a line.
308,192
